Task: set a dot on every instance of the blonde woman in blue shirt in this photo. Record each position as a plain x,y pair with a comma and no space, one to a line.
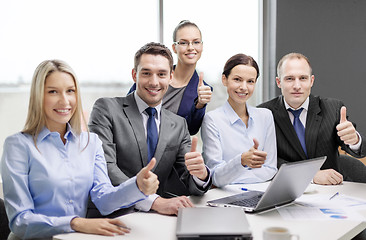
239,141
51,168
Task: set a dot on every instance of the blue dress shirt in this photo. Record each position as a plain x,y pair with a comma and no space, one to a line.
45,188
225,137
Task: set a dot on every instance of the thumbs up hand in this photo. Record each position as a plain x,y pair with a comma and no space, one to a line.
346,130
253,158
204,93
146,180
194,162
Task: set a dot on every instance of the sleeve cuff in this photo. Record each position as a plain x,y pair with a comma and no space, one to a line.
145,205
356,147
200,183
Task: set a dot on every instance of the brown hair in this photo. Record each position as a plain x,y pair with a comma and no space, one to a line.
154,49
182,24
237,60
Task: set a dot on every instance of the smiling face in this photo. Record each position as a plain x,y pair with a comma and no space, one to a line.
240,84
152,78
59,100
188,53
295,81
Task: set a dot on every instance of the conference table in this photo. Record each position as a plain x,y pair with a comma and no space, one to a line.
155,226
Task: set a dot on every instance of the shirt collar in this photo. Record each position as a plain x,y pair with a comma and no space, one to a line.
233,116
45,132
305,105
142,105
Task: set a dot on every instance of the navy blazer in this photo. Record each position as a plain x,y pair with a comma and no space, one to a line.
320,132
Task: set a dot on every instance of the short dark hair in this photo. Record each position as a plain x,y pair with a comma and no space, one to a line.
237,60
182,24
154,49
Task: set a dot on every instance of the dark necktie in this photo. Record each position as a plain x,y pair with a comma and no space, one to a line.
152,133
299,128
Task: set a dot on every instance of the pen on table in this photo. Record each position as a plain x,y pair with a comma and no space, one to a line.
171,194
124,227
334,195
244,189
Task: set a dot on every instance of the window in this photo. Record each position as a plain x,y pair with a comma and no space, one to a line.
228,27
99,40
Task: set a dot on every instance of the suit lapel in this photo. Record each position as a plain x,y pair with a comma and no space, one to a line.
313,121
284,123
135,119
165,130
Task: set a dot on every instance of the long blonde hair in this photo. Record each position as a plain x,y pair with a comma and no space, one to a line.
36,118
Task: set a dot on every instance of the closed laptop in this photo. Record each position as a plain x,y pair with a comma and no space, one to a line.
212,223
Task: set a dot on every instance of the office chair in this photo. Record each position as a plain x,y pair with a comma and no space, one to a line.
352,169
4,223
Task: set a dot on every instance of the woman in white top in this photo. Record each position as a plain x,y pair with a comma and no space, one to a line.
239,141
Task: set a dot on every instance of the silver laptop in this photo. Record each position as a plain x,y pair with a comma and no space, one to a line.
212,223
289,183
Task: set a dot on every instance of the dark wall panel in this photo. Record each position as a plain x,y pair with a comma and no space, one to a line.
332,34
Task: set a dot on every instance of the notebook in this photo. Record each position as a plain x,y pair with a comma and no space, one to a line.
289,183
212,223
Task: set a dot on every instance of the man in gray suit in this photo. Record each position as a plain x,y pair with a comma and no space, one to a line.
122,123
323,121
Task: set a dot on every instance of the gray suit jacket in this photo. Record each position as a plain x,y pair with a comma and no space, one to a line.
119,125
320,132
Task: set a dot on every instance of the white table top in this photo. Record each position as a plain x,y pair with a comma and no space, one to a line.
156,226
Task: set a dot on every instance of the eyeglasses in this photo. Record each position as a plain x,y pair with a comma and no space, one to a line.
185,44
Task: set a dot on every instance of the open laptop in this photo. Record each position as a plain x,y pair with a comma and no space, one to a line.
289,183
212,223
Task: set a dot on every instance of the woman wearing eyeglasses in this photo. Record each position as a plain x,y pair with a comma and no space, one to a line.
188,94
239,141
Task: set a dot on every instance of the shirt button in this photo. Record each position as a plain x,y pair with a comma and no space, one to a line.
70,201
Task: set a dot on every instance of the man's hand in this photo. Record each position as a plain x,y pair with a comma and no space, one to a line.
194,162
101,226
170,206
204,93
146,180
253,158
346,130
328,177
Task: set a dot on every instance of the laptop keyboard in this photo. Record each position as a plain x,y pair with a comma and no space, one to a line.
248,202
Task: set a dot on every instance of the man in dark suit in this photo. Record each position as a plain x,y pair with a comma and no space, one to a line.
323,121
122,123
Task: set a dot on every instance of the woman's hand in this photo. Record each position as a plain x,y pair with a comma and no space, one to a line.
204,93
253,158
101,226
